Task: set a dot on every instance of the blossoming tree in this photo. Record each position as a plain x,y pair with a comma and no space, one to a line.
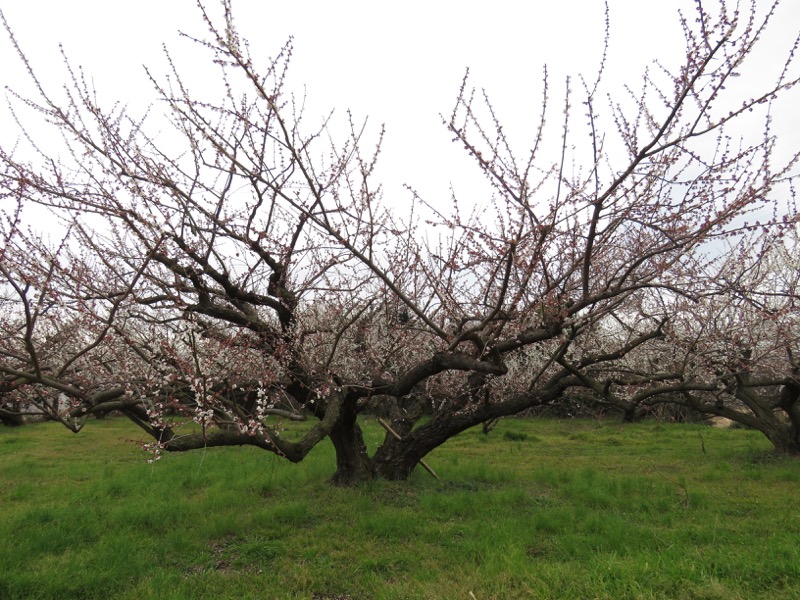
244,267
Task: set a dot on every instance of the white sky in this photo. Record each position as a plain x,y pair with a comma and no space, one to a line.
399,63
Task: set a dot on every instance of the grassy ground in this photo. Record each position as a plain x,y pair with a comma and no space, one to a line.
538,509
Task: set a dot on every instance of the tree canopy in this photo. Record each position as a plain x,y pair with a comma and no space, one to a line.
245,268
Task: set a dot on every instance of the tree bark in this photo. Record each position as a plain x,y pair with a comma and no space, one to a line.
789,441
353,464
396,459
10,418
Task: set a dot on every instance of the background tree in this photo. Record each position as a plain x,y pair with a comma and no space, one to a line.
245,261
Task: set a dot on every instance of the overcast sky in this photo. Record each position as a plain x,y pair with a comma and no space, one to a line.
398,63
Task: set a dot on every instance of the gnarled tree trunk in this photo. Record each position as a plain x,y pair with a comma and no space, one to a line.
353,464
789,439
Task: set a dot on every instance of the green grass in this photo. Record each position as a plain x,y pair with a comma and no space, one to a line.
536,509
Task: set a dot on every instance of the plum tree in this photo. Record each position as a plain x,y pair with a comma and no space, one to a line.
245,265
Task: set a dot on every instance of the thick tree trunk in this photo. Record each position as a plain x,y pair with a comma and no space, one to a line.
10,414
789,442
11,418
784,439
632,414
784,435
353,464
396,459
